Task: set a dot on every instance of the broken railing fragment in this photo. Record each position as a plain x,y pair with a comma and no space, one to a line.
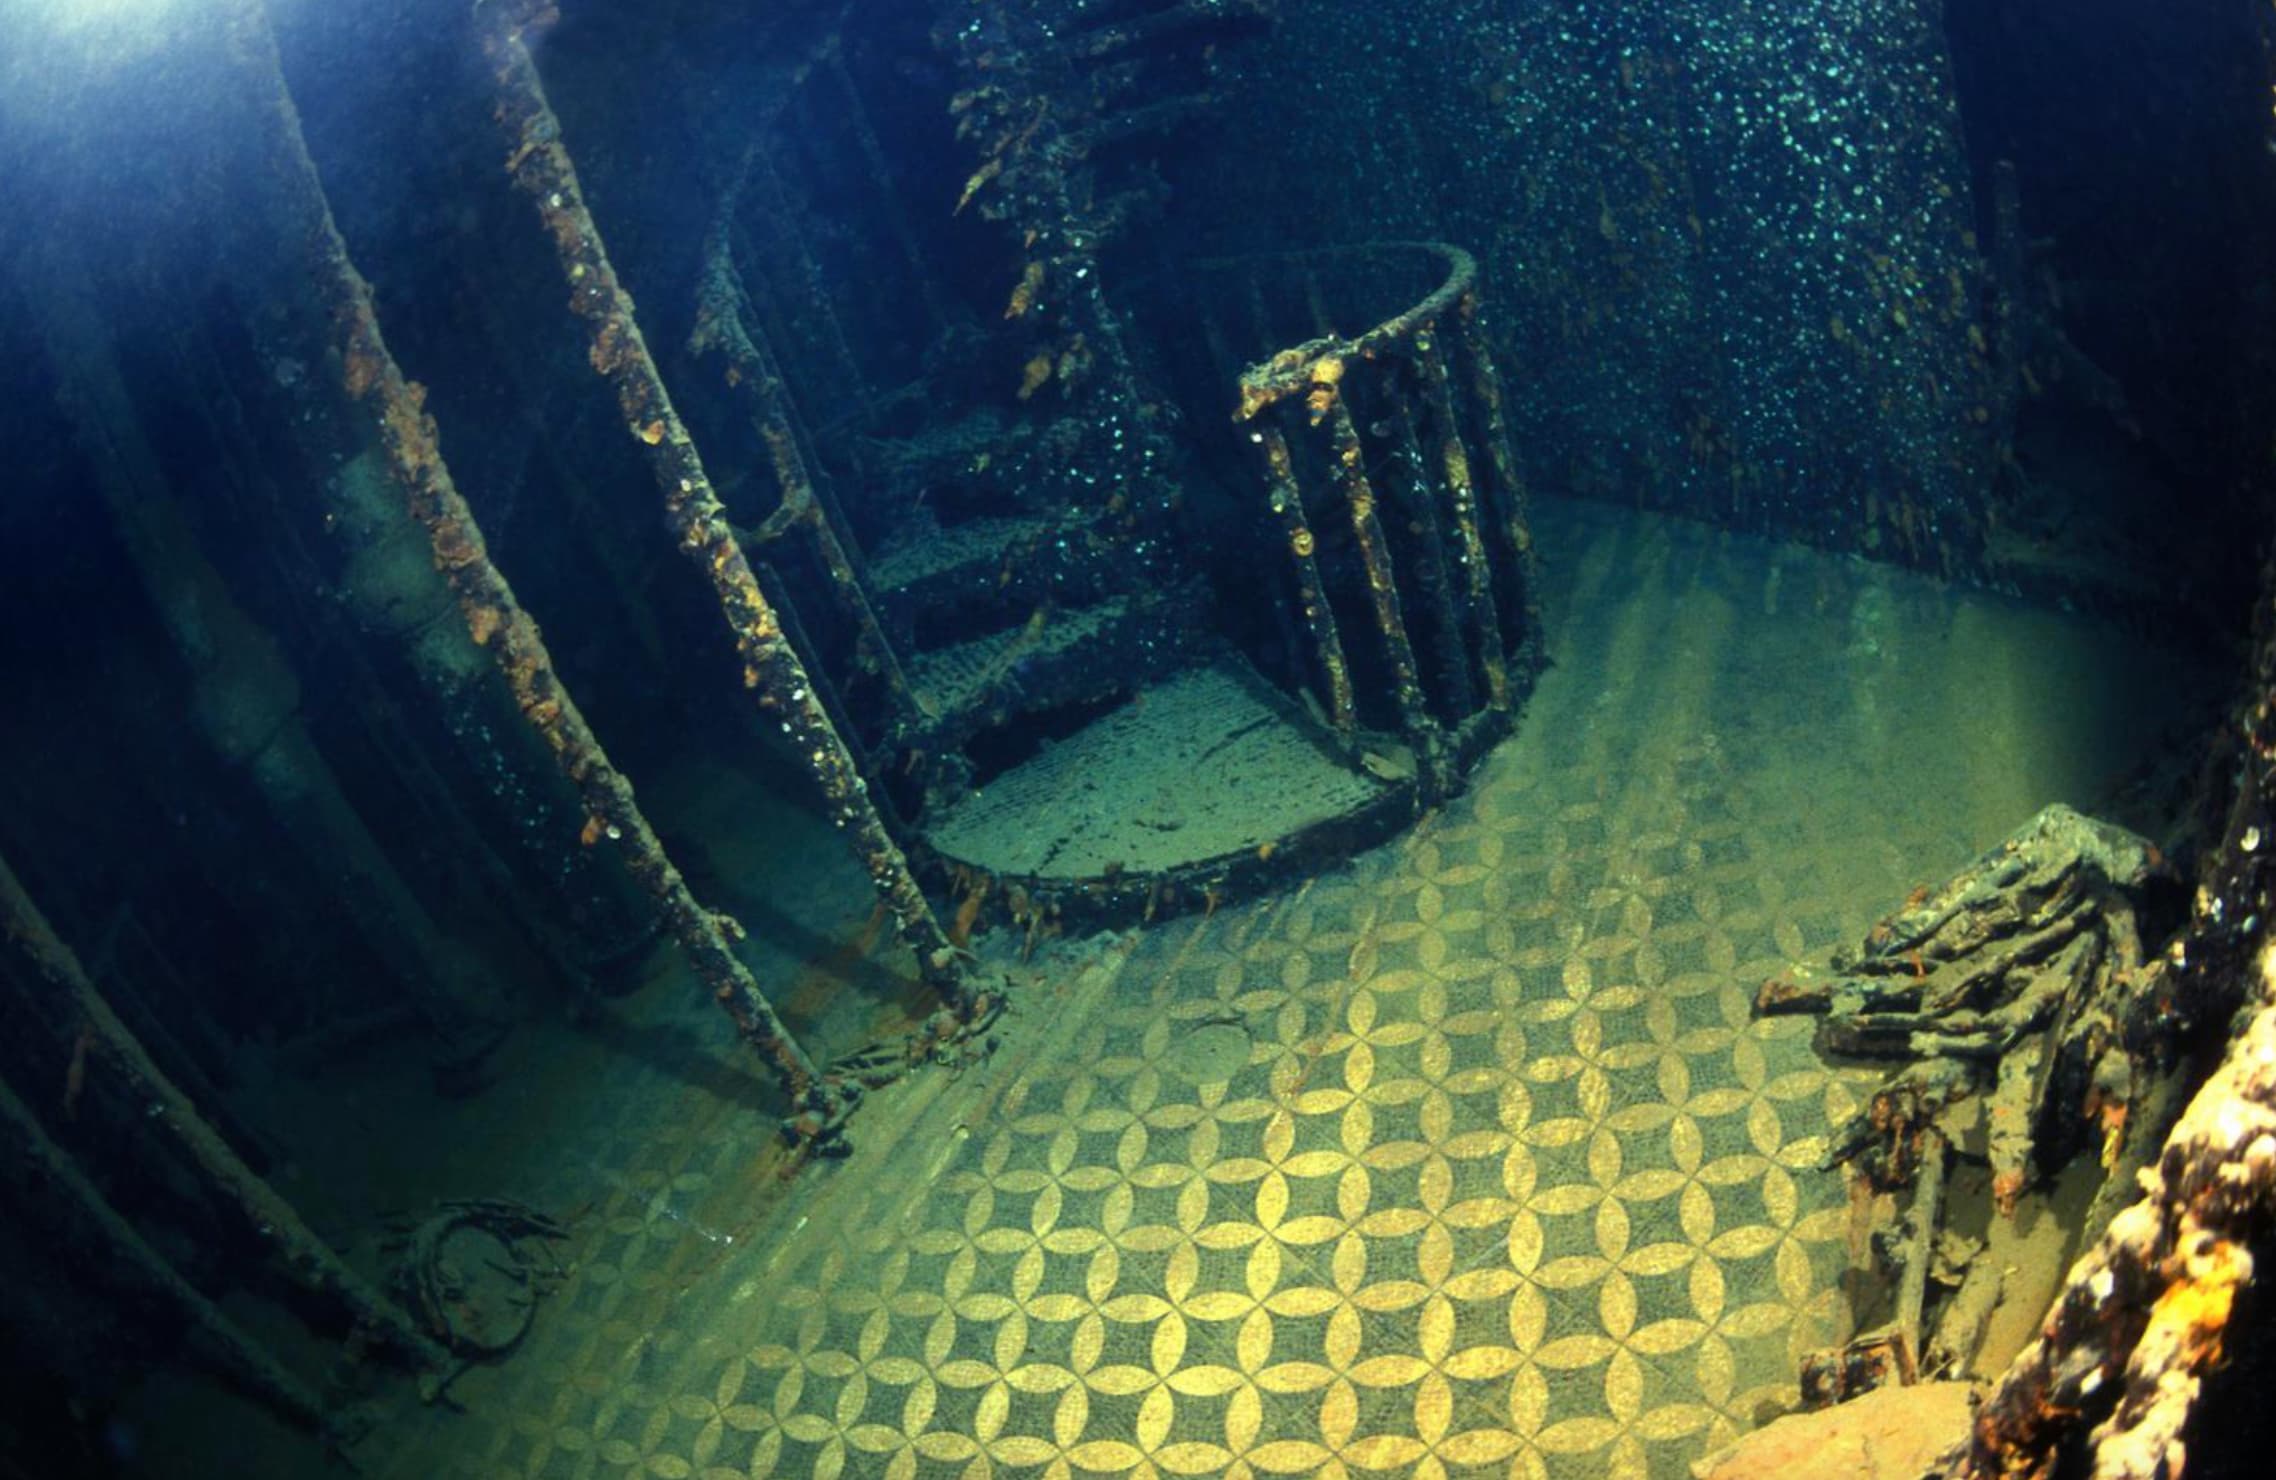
2020,980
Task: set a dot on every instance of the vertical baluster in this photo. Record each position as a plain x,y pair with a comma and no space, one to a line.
1422,732
1319,619
1462,499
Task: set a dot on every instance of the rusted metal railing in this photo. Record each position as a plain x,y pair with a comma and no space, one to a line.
1398,439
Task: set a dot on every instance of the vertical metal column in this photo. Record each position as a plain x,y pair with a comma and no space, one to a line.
1462,495
540,165
1319,620
495,620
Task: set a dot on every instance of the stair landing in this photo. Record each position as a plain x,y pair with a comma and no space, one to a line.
1210,765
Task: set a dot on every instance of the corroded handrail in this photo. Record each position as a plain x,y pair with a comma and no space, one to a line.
1319,363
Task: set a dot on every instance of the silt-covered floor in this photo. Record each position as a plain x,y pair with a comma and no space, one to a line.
1465,1159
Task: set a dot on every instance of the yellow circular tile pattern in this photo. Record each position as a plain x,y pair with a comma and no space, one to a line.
1510,1184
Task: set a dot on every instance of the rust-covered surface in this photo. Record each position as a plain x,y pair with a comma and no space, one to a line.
540,166
494,619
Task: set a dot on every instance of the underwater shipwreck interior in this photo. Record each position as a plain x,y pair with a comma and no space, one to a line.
1137,737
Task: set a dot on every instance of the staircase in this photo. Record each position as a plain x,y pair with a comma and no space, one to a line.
1084,706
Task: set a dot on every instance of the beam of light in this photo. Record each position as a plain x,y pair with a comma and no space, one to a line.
123,27
57,57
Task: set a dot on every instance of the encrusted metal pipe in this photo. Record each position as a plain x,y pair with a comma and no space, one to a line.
539,163
75,1207
311,1262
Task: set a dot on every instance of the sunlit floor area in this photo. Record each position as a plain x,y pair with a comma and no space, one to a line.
1466,1159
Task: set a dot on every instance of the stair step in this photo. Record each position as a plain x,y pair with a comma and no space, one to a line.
975,551
1064,655
989,571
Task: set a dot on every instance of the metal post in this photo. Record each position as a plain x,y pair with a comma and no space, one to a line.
1522,606
82,1203
495,620
1319,619
1420,494
1462,495
308,1259
539,163
1422,732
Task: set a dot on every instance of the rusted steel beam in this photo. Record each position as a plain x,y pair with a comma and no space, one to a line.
1422,732
1462,496
1319,619
1923,1221
117,1053
539,163
407,438
756,377
62,1196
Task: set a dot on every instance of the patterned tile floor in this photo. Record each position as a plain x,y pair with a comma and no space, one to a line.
1464,1160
